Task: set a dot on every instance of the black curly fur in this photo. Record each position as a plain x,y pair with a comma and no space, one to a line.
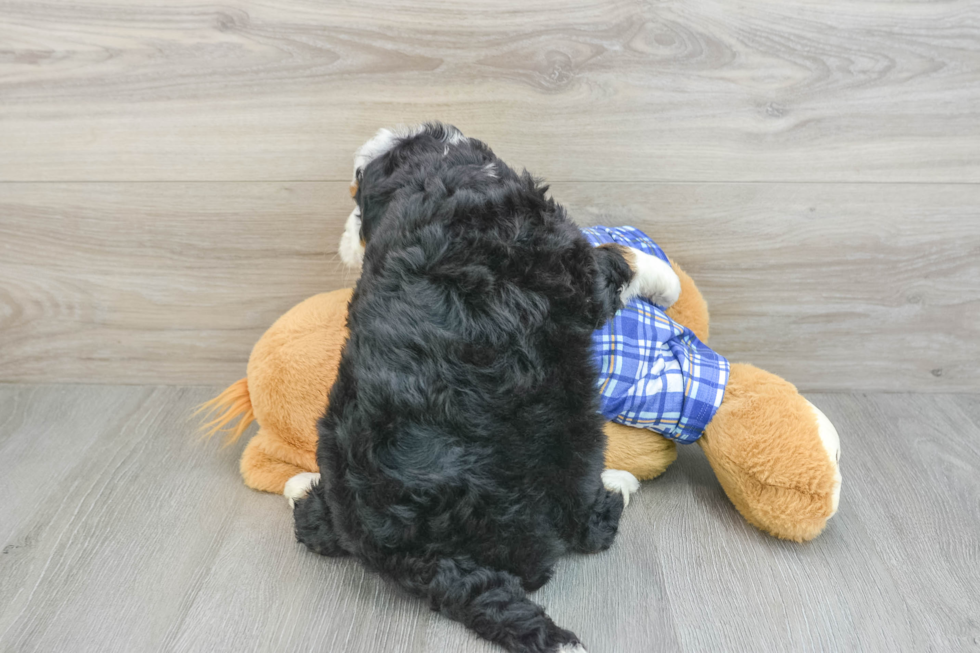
461,451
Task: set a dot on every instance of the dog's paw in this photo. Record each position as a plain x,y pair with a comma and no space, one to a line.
571,648
618,480
653,279
299,486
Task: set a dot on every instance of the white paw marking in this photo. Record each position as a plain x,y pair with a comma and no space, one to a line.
571,648
299,486
653,279
618,480
351,250
831,444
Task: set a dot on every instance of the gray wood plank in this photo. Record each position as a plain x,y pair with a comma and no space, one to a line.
115,546
733,588
26,442
919,497
827,90
141,537
834,286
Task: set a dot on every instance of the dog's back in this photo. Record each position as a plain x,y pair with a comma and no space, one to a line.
461,451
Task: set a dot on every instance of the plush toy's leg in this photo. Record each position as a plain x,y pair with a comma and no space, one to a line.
290,373
775,455
641,452
264,467
690,309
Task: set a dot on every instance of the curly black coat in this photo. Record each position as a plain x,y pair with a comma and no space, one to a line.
462,449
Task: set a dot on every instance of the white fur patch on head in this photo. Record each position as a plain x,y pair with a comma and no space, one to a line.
453,135
386,138
618,480
653,279
351,250
380,143
299,486
831,444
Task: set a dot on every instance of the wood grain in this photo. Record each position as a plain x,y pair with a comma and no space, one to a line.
834,286
122,530
132,535
619,90
915,490
144,280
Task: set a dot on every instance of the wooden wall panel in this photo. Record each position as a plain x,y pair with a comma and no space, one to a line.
834,286
618,90
172,175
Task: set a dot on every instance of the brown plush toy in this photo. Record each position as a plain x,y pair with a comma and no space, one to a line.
775,454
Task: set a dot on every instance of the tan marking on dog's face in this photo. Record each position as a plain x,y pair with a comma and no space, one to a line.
353,190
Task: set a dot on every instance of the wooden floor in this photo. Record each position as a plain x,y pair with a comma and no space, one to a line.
122,531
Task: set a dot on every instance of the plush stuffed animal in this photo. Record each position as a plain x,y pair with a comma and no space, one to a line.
774,453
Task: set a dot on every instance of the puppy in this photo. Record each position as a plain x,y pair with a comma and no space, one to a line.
462,450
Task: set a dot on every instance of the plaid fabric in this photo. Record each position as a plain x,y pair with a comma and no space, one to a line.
653,372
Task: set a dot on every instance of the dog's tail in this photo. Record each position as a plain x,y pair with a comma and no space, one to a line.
233,402
490,602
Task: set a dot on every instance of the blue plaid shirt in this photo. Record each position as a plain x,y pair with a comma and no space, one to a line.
653,372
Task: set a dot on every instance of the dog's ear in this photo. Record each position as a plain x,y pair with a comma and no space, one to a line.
372,211
354,185
372,196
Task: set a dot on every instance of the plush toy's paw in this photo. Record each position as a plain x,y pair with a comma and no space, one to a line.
831,444
652,279
617,480
775,455
299,486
